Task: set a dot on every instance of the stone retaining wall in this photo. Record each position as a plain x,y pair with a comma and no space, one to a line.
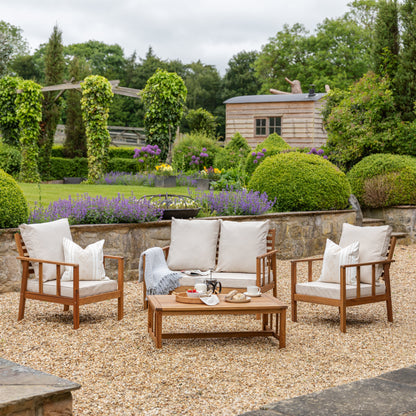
298,234
402,218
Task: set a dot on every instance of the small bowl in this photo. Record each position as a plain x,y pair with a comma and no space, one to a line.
193,294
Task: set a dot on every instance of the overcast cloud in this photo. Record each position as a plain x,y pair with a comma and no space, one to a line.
211,30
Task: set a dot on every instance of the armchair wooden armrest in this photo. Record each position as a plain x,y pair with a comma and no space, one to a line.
266,273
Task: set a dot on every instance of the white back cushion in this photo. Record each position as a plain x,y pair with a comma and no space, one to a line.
90,260
240,243
44,241
193,244
336,256
374,243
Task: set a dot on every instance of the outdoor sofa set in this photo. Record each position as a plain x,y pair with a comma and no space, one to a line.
238,254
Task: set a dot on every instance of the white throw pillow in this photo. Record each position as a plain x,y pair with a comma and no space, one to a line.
374,243
193,244
240,244
336,256
90,260
44,241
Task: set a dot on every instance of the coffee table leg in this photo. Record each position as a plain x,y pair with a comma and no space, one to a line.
265,320
158,328
150,313
282,330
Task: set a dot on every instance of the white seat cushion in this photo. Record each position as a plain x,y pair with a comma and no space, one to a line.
374,243
240,243
193,244
234,280
86,287
332,290
44,241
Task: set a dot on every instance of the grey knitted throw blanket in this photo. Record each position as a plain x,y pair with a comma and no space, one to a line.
160,280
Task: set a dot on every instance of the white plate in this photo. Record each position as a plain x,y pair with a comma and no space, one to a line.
253,296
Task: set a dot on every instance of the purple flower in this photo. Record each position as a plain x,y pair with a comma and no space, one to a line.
320,152
254,154
255,161
325,157
264,150
260,154
313,150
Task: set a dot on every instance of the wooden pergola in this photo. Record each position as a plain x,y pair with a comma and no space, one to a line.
128,92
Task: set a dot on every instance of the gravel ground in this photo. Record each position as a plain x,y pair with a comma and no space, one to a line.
122,373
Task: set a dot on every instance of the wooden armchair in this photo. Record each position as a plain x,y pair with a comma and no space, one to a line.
265,276
76,293
341,294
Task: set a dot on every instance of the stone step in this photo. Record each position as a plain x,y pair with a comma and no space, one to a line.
373,222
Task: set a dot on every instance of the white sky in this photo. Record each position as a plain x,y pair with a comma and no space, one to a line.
210,30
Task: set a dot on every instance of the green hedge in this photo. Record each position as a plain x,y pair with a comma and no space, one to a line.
118,164
120,152
382,180
62,168
301,182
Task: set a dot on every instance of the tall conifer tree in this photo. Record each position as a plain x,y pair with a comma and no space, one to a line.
405,82
386,39
51,105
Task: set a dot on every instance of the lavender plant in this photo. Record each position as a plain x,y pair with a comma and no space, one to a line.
122,178
230,202
84,209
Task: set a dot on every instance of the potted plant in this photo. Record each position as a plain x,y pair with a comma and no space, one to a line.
164,176
174,206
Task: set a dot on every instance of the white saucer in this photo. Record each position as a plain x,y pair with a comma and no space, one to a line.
253,296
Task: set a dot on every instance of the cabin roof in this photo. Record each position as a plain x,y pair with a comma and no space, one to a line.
274,98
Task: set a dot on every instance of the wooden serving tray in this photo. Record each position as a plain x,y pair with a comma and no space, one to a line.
184,298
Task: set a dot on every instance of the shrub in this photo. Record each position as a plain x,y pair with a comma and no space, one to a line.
10,159
68,168
383,180
13,206
57,151
273,145
98,210
9,122
193,152
301,182
233,154
201,121
230,202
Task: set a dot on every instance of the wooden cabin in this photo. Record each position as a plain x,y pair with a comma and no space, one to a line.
296,118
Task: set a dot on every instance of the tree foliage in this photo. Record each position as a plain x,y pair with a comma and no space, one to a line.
164,98
386,39
12,45
52,103
29,114
95,104
201,121
9,124
365,121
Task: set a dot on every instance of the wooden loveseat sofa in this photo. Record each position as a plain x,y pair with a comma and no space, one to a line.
239,254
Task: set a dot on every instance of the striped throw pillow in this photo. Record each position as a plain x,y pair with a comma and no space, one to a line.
336,256
90,260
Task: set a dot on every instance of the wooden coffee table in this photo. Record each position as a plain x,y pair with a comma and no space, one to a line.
265,305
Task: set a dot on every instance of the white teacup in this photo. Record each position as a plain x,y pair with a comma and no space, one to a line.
201,288
253,290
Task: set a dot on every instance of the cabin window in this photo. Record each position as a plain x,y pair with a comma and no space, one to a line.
275,125
260,127
266,126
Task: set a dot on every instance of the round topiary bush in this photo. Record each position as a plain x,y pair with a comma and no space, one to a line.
13,206
383,180
273,145
301,182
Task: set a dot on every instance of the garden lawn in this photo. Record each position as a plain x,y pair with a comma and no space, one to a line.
47,193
